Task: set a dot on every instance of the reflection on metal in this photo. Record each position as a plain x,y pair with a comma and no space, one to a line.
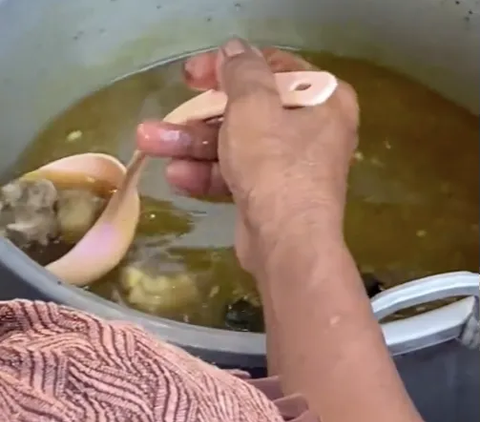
456,320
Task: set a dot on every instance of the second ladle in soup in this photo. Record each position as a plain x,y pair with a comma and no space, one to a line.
108,240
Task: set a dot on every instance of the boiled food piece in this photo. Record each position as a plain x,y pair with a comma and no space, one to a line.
77,211
244,315
165,294
27,211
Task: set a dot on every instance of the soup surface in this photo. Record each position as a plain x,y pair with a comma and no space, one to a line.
413,200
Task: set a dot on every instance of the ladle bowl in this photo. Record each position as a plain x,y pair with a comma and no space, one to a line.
105,244
108,240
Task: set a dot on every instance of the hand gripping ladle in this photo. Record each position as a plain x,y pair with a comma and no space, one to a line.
105,244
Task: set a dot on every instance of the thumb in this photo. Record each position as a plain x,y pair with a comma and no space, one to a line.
246,78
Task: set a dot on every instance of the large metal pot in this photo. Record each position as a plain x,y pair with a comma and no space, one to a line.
52,52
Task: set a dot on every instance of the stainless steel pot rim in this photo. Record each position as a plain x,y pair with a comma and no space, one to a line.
402,336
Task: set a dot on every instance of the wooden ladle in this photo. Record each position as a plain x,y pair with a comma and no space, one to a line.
108,240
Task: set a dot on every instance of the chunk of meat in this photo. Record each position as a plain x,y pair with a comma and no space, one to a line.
77,211
29,195
35,212
27,213
166,294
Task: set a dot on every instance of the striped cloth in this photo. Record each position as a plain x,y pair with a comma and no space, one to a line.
61,365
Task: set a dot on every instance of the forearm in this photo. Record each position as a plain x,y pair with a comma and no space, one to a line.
323,338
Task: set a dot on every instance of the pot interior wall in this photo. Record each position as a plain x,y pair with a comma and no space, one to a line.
53,52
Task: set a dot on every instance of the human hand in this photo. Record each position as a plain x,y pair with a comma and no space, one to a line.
278,164
192,148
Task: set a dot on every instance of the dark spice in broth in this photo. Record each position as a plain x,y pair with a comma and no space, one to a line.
413,200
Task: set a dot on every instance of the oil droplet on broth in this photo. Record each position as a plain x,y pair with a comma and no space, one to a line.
405,157
74,136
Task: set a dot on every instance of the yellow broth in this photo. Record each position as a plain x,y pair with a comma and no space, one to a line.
413,200
65,180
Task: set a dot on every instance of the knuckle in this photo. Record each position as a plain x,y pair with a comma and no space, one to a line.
253,99
348,94
343,105
244,64
286,61
349,102
254,113
204,145
257,98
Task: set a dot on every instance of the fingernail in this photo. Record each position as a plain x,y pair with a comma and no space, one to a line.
234,47
145,129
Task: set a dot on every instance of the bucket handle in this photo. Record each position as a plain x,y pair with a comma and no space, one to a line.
457,320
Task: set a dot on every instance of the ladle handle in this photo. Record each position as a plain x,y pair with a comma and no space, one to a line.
296,89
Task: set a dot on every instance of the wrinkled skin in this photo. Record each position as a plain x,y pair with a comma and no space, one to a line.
193,147
287,173
304,153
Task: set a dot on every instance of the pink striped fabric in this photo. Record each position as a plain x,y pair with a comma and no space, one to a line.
61,365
